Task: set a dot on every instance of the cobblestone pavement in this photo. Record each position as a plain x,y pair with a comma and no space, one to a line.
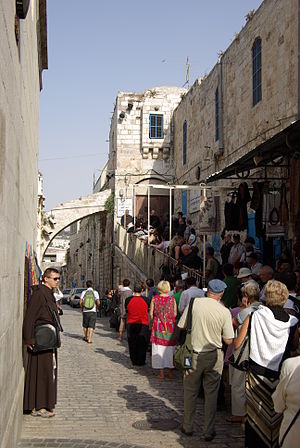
104,402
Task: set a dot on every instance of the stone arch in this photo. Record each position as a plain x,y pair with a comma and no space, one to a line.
65,214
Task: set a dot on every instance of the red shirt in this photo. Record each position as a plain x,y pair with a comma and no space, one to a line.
137,310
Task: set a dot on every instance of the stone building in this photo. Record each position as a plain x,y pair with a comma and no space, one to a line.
141,148
140,153
241,124
55,255
23,37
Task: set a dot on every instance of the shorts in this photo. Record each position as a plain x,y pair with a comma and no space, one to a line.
89,319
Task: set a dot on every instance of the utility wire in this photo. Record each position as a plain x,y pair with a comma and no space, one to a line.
72,157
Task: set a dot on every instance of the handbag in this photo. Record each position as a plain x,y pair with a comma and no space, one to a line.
240,357
47,336
182,357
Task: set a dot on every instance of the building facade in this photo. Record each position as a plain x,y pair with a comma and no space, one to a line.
240,124
140,153
141,148
234,136
23,38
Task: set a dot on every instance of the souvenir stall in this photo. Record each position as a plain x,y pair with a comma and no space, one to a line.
265,203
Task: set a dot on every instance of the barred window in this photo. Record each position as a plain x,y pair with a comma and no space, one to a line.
217,113
156,126
184,139
256,71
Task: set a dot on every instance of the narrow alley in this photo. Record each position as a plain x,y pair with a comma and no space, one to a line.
104,402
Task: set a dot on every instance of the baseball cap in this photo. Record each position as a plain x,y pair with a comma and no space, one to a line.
216,286
244,272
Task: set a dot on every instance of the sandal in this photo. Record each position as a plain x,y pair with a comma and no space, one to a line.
45,414
159,377
34,413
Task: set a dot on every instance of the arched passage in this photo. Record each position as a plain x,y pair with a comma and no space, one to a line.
65,214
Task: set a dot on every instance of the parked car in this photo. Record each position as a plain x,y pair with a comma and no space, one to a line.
66,296
75,297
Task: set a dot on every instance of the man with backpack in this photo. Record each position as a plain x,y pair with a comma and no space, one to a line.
89,301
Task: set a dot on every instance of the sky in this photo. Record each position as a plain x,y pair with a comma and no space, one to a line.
97,48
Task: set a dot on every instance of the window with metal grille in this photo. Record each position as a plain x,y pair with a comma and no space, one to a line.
156,126
217,112
184,139
256,71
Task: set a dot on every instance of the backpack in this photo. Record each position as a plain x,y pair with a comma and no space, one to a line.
89,300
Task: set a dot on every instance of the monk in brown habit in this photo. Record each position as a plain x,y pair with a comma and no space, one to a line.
40,392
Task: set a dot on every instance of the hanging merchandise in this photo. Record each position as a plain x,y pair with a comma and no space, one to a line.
231,212
243,197
283,211
256,197
295,194
271,218
32,272
274,213
257,204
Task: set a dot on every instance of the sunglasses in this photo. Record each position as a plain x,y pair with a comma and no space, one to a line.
55,278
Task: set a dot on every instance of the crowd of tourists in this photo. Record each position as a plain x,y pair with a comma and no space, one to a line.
244,323
188,249
253,307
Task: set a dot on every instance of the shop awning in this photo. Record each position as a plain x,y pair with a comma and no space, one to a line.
282,145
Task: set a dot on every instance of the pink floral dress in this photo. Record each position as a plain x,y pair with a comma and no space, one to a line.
163,325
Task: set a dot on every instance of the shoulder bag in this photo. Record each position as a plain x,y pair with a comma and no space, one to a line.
240,357
182,357
47,336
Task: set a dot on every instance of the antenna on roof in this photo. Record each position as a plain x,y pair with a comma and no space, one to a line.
187,76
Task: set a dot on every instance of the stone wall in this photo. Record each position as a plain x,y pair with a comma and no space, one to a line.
90,252
19,124
242,127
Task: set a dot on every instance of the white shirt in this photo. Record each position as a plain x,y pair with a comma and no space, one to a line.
186,296
236,253
94,309
286,399
58,295
255,269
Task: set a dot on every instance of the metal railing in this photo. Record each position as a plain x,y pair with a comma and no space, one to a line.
151,261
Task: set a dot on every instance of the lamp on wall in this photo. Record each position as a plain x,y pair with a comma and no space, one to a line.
121,193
